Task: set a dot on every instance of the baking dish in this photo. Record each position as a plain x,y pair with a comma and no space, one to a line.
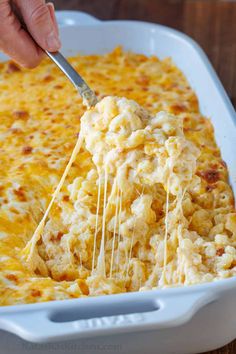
180,320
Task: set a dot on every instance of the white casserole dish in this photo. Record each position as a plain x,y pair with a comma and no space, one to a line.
178,320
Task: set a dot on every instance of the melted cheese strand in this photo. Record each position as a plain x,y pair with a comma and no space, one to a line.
30,247
166,233
96,226
130,250
119,220
101,267
132,239
180,263
114,231
179,235
178,208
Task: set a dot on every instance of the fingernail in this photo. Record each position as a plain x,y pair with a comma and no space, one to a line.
53,42
51,5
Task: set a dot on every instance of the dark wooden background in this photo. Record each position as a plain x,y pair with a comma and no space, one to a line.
212,23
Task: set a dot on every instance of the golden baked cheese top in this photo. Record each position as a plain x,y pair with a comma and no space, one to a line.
138,246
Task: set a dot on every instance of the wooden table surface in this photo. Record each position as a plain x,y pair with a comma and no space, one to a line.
212,23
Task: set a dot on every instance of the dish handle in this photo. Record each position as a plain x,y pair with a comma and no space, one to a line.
71,18
47,326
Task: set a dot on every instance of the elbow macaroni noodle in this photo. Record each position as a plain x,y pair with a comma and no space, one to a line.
145,200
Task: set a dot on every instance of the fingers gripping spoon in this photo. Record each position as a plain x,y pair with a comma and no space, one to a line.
88,96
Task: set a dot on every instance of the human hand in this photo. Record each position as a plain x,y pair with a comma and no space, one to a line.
40,21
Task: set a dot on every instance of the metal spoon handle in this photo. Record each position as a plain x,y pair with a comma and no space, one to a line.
89,97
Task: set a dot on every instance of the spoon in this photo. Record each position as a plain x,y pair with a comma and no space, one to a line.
88,96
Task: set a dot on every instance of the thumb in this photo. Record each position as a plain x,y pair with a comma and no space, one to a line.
40,21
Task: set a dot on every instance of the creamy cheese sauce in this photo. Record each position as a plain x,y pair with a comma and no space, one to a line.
147,195
134,154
